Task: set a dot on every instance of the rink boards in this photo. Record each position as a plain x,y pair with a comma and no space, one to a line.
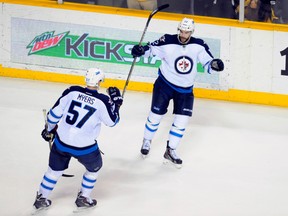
58,48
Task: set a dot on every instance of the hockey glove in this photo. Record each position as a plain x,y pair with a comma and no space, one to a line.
139,50
115,95
217,65
48,136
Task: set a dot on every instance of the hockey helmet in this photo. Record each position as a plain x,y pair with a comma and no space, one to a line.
185,30
186,25
94,76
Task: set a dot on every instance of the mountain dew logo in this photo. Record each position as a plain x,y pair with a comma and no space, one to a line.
45,41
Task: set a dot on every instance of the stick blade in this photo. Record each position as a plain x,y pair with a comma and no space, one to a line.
67,175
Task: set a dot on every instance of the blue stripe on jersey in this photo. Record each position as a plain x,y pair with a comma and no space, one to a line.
207,65
54,115
176,88
52,122
115,121
73,151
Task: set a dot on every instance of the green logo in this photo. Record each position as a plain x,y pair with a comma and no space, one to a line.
89,48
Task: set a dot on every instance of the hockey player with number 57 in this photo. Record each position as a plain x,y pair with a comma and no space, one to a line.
179,54
74,124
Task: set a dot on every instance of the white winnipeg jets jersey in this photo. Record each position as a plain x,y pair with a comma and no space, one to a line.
179,62
79,113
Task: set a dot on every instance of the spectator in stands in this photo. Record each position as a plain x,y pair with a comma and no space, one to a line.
223,9
178,6
201,7
280,10
112,3
215,8
265,10
142,4
77,1
284,15
251,9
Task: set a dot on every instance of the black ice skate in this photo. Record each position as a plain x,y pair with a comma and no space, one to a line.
41,203
171,156
145,148
84,202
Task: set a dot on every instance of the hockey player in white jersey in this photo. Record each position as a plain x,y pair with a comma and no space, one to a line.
180,54
74,124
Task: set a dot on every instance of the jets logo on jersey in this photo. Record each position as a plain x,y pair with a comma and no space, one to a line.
183,64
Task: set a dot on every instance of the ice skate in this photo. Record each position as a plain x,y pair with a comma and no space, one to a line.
84,203
145,148
170,156
40,204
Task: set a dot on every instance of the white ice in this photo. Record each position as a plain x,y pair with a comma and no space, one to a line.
235,159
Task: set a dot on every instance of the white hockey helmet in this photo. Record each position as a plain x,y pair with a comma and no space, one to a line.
186,25
94,76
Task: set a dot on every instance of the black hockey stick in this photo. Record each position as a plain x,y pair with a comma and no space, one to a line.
50,141
162,7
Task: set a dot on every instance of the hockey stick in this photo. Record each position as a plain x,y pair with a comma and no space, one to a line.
162,7
50,141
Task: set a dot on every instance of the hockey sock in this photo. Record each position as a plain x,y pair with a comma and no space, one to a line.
177,130
88,182
152,125
49,181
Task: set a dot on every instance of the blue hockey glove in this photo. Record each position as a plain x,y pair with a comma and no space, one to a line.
217,65
115,95
138,51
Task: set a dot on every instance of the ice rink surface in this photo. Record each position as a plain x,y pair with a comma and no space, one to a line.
235,159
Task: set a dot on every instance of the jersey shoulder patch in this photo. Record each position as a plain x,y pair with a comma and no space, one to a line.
198,41
71,89
103,97
166,39
202,43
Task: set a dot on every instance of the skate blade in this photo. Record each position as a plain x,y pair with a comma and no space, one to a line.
144,156
168,162
40,211
78,210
